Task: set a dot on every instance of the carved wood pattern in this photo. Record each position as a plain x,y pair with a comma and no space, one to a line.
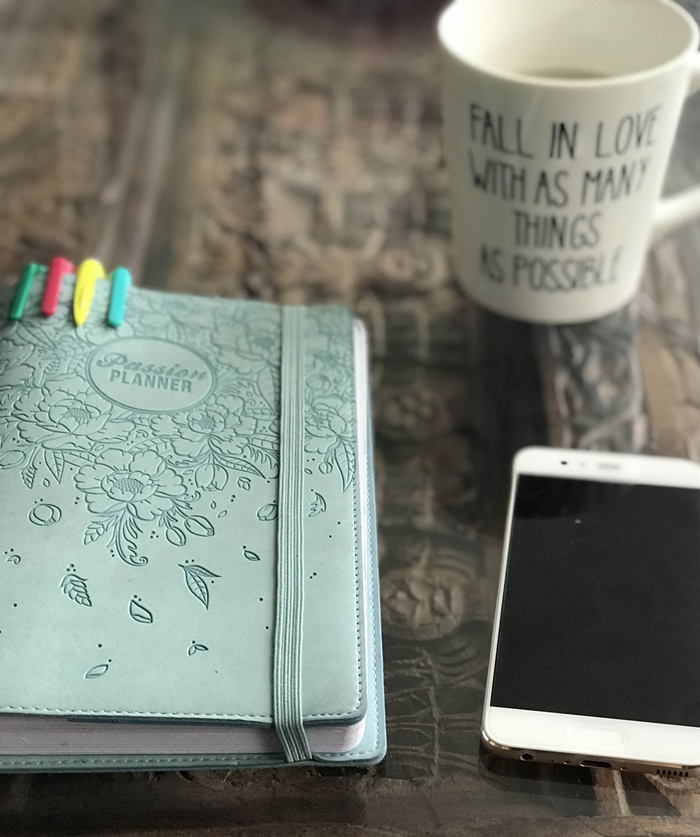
216,149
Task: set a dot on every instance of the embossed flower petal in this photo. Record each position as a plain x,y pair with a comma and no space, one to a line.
164,425
81,414
228,443
147,462
66,441
89,478
242,425
230,404
319,444
117,429
211,477
211,419
170,483
128,486
117,459
190,448
152,507
103,504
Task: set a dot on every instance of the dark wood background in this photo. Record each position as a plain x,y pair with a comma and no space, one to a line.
291,151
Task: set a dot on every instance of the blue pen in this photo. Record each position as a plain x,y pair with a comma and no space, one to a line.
121,279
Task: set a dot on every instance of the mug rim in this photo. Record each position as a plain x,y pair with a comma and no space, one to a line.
574,83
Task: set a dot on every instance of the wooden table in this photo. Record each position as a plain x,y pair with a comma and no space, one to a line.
266,151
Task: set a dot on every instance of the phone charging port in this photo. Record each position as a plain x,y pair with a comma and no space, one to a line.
591,763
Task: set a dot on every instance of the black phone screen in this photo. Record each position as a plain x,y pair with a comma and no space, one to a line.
601,608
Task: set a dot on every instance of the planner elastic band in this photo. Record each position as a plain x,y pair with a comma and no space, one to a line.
58,268
287,692
22,293
121,279
88,273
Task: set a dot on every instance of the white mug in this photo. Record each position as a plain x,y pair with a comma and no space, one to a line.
560,116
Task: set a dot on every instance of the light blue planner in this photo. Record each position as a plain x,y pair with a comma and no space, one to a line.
188,566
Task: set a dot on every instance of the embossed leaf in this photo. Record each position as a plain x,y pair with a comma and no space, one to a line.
28,475
325,467
96,671
94,531
318,506
200,526
238,464
250,555
176,536
194,578
139,613
124,540
268,512
75,588
345,459
269,387
244,483
55,462
77,457
196,647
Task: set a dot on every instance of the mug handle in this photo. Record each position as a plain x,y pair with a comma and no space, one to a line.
679,209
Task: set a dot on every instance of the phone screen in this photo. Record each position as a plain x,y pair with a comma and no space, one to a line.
601,607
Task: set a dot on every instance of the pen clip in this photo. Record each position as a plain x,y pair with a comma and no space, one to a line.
22,293
121,279
58,268
88,273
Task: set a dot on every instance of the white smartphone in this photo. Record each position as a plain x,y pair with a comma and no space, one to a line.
596,649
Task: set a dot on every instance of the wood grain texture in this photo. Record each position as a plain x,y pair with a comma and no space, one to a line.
243,150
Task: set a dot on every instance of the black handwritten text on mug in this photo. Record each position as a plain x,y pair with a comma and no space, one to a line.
494,131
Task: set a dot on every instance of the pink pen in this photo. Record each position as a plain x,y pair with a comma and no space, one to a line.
57,269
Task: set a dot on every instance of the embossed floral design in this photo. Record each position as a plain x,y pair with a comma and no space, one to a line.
330,411
56,424
250,341
217,437
219,424
134,468
140,482
328,420
14,372
125,488
58,418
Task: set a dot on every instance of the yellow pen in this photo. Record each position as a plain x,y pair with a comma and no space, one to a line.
88,273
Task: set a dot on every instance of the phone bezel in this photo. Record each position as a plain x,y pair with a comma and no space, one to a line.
555,737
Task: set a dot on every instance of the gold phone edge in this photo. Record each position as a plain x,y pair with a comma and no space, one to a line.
666,770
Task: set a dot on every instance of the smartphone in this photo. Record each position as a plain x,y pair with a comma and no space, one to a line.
595,657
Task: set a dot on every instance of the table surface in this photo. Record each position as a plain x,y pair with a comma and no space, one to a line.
275,151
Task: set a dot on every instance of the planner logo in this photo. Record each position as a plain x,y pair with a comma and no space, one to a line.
152,376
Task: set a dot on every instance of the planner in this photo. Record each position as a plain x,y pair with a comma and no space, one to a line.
188,562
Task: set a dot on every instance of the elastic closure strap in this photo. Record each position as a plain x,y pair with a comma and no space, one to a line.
287,695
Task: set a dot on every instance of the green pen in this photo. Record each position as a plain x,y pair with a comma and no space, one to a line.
23,288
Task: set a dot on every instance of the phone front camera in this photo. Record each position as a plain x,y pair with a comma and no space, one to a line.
526,757
564,462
